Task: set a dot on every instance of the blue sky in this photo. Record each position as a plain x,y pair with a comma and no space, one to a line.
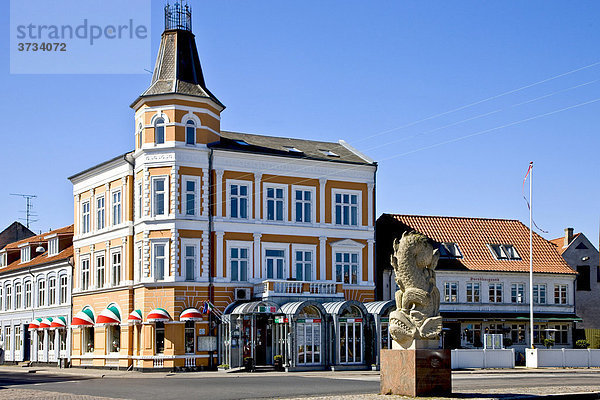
390,77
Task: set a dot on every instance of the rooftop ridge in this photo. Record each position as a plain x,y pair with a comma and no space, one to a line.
455,217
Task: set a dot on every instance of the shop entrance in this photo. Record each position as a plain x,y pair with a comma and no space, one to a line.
263,340
26,343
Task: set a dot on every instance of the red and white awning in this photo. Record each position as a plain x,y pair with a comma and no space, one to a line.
110,315
135,317
84,317
46,322
190,314
159,315
35,324
59,322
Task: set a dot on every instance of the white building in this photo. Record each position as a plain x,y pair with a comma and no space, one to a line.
483,279
35,297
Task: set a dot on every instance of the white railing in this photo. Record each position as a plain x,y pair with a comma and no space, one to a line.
190,361
482,358
284,287
159,362
563,358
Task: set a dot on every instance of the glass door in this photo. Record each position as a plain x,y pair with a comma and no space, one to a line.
351,341
308,337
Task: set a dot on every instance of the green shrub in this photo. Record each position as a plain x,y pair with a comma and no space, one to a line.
548,343
582,344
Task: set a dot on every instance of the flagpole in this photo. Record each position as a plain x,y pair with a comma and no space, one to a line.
531,253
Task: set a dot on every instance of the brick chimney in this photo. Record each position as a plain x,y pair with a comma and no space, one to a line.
568,236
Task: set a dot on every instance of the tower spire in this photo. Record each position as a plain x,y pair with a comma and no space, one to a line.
178,16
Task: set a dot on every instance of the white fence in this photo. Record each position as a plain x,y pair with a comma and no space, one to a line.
482,358
563,358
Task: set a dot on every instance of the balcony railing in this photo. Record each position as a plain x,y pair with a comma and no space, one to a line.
277,287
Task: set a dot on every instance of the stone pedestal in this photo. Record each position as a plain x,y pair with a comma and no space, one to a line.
416,372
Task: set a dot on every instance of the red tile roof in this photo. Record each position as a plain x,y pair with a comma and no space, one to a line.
560,242
42,258
474,234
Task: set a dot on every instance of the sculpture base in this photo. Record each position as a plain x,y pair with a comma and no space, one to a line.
420,372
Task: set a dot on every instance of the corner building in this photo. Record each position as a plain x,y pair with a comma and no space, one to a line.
246,222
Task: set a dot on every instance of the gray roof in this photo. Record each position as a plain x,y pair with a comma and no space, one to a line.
338,307
290,147
293,309
380,307
177,69
250,308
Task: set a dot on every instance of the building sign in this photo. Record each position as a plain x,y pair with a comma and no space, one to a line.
281,320
265,309
481,279
309,321
385,319
351,320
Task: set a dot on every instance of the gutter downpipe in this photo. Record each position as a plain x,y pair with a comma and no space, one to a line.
211,255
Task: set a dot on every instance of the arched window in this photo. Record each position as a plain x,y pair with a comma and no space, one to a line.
159,131
190,132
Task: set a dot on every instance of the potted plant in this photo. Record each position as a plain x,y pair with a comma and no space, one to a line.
223,367
582,344
278,362
548,343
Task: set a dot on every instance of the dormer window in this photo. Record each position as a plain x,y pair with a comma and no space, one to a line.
504,252
190,132
292,149
3,260
25,254
329,153
159,131
449,250
53,247
241,143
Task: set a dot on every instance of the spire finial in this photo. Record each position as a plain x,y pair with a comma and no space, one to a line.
178,16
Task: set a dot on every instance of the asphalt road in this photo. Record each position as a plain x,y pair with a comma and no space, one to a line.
254,386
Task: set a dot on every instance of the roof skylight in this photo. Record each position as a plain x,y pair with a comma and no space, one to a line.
504,252
329,153
449,250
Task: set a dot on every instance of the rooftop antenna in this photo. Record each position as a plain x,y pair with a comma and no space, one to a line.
29,207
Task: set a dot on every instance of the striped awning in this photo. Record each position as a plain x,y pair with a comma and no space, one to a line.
190,314
59,322
158,315
135,317
35,324
85,317
110,315
46,322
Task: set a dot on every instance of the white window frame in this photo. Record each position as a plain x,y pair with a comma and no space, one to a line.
166,272
41,294
85,217
98,255
8,303
265,201
562,287
496,293
114,214
250,196
313,269
25,254
166,201
347,246
163,124
518,285
3,259
27,294
113,252
185,243
52,291
187,126
313,211
63,297
98,210
536,293
448,296
359,218
86,259
474,285
18,295
286,258
239,244
2,302
184,192
52,247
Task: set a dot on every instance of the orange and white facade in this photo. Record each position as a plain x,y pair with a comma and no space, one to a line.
195,214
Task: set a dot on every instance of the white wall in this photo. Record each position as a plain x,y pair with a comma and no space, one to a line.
482,358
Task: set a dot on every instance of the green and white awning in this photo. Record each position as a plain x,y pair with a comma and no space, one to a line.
135,317
110,315
46,322
85,317
35,324
59,322
159,315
